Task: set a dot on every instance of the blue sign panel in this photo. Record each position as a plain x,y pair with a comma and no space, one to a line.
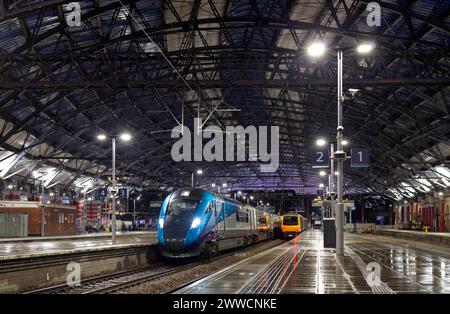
122,192
360,157
103,192
320,158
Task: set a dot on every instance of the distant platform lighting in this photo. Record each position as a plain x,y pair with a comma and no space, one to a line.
316,49
365,48
224,184
322,173
101,137
239,192
10,187
336,173
213,185
321,142
251,197
125,137
321,185
199,171
344,142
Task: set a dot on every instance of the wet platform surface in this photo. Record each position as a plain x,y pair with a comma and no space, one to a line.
371,264
18,248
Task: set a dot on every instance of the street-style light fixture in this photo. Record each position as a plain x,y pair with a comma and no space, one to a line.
321,142
364,48
338,156
124,137
198,172
134,207
316,49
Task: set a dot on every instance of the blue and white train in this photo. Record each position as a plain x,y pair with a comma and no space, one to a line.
196,222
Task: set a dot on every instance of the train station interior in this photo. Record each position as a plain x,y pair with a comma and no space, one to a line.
224,147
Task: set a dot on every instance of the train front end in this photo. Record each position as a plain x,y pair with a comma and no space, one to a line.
183,223
290,225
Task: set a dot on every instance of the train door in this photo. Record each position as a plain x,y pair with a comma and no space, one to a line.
253,220
220,218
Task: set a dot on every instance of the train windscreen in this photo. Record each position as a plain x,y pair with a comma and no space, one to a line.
290,220
262,221
182,206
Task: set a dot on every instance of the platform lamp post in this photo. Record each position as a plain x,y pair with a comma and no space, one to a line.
315,50
42,173
134,207
198,172
224,185
124,137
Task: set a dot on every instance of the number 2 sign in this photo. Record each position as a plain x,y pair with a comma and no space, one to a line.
320,158
360,157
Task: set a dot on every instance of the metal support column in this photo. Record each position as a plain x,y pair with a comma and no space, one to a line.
43,210
339,163
331,179
113,192
134,210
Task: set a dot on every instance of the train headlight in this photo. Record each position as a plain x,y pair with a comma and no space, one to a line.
195,223
161,222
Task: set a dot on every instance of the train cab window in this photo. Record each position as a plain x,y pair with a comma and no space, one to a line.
180,206
262,220
211,207
290,220
219,209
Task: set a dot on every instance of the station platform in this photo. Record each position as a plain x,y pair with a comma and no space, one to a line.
432,237
17,248
303,265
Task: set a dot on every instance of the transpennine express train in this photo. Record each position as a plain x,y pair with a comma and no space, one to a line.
195,222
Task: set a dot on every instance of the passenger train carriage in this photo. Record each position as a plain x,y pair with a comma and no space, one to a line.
292,224
196,222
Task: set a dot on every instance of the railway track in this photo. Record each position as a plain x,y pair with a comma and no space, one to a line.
112,282
117,281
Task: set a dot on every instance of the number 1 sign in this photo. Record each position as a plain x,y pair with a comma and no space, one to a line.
360,157
320,158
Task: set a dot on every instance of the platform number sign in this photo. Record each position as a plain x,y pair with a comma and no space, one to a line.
103,192
360,157
122,192
320,158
